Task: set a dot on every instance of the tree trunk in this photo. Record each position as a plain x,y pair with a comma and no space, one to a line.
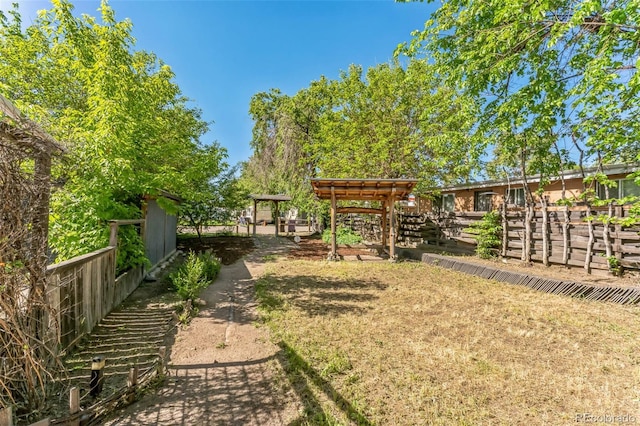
606,237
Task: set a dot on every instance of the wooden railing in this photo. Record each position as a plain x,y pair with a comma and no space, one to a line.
83,290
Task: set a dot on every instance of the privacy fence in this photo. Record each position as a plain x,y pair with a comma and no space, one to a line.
559,235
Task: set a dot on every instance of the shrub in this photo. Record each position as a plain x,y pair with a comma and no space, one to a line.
487,233
344,235
194,275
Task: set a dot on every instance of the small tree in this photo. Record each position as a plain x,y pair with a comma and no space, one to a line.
487,233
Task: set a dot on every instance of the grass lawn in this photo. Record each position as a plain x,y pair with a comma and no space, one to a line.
408,343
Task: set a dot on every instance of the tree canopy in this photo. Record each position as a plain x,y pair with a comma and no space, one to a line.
557,80
391,121
128,128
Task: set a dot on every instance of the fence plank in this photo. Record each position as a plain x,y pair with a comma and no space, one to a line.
83,291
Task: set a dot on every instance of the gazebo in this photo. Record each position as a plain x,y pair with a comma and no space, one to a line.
264,197
387,191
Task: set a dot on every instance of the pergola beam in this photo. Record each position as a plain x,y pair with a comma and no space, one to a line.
361,210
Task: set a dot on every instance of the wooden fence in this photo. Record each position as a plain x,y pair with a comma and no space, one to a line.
449,233
83,290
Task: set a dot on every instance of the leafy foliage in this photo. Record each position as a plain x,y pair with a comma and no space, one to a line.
557,81
388,122
128,129
194,275
488,234
344,235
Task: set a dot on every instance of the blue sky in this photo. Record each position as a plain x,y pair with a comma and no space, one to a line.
223,52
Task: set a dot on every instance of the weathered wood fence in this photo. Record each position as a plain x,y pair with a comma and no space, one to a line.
448,232
83,290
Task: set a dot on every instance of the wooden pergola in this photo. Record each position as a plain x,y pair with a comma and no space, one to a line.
386,191
265,197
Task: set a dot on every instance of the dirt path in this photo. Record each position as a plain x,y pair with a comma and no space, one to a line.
222,368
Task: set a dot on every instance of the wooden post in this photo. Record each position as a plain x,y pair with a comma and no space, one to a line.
74,405
383,224
617,242
162,352
132,382
113,235
392,228
255,215
334,251
6,416
277,221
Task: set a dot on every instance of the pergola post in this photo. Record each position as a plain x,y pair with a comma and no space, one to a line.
392,228
255,215
277,218
383,223
334,251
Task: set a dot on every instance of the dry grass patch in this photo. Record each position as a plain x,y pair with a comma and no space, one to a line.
407,343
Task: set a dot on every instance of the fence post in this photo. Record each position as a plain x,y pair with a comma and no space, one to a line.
132,382
617,242
113,235
161,354
6,416
74,406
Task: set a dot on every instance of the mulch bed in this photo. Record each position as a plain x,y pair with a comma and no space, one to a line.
313,248
227,248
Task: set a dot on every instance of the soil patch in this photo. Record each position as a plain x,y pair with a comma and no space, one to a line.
313,248
227,248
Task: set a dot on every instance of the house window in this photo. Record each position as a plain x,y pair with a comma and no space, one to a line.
482,201
624,188
448,202
445,203
628,187
515,196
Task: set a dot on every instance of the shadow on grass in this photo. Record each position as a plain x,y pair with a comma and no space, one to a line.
300,373
317,296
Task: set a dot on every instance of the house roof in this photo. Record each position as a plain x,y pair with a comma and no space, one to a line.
363,189
24,131
608,169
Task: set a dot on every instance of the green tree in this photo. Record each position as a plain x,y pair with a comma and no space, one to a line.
390,122
128,129
551,73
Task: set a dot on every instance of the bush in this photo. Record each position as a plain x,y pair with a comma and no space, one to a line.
344,235
488,233
194,275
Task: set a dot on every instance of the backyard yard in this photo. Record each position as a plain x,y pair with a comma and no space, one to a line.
408,343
